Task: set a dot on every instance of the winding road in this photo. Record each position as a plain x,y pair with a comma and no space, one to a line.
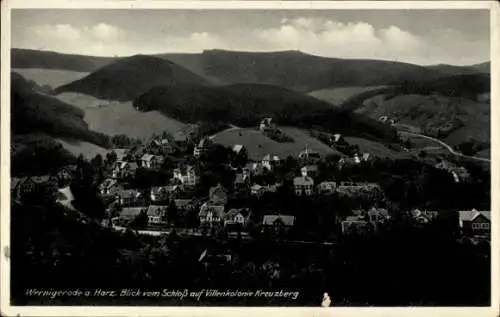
446,146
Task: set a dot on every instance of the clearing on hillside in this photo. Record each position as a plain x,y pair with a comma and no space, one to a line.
52,77
337,96
376,149
88,150
259,145
113,117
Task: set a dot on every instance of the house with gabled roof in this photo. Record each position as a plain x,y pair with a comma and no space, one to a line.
337,138
378,214
109,187
270,161
202,146
309,154
121,154
475,222
309,170
65,174
163,193
326,187
236,217
303,185
124,169
32,185
162,145
186,175
254,168
156,214
356,223
277,223
128,214
239,149
242,182
130,197
424,216
265,124
184,205
211,214
152,161
218,195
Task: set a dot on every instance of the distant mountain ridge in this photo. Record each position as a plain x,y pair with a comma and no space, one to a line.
26,58
290,69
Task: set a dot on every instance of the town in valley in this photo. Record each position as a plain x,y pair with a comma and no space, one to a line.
250,177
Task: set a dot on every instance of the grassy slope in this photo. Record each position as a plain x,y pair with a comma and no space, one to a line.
435,111
259,145
376,149
120,117
51,77
337,96
76,147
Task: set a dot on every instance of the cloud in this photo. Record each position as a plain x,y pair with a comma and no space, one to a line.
99,39
319,36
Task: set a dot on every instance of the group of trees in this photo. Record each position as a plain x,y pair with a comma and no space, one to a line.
39,155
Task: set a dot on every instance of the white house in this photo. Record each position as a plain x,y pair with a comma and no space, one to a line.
270,161
187,175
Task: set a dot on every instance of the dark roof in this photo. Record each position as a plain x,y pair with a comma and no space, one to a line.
183,202
303,181
156,210
233,212
287,220
379,211
207,207
470,215
163,189
129,193
240,178
131,211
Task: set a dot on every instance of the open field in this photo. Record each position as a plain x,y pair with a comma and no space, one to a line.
337,96
52,77
376,149
88,150
259,145
113,117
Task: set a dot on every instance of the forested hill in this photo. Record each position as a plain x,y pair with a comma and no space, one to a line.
246,104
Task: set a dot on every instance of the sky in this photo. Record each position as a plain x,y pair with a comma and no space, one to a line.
425,37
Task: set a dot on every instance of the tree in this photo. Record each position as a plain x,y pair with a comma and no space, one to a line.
172,213
111,157
140,221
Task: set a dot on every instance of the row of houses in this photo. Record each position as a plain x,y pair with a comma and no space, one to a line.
471,222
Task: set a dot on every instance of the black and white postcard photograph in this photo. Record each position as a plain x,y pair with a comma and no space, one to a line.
246,155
